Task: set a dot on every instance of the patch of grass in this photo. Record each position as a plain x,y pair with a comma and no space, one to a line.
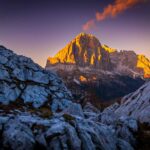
36,126
45,112
68,117
17,105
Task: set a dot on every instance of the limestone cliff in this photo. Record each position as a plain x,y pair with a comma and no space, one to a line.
144,63
85,51
128,62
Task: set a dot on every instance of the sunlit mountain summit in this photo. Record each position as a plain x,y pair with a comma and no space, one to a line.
86,52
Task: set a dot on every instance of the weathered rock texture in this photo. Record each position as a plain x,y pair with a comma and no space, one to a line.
37,112
84,51
64,132
23,80
137,104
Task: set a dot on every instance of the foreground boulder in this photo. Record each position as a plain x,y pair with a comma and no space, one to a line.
60,132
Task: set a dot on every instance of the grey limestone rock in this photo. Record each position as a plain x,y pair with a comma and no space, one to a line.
24,80
17,136
137,104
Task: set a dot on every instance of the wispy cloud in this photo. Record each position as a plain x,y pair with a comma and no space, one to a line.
110,11
118,7
88,25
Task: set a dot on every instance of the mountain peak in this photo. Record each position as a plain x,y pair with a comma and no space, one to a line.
86,40
84,50
83,34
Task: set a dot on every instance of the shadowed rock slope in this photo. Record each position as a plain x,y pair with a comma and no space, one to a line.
137,106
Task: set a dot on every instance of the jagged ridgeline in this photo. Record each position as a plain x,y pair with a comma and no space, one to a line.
86,51
98,72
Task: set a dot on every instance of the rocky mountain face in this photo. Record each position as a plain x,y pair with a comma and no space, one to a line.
129,63
98,72
27,82
137,104
84,51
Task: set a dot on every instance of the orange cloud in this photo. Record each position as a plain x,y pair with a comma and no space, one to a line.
113,10
88,25
110,11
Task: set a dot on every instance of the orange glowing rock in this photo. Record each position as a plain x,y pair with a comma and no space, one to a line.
65,55
144,63
84,50
147,76
83,79
53,60
92,59
108,49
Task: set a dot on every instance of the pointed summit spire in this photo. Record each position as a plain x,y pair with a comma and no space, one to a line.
84,50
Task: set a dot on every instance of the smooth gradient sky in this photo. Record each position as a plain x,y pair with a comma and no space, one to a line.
40,28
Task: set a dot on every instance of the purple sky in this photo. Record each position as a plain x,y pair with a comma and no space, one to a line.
39,29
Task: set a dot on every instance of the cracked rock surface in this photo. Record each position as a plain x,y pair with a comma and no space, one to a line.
37,112
137,104
22,79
